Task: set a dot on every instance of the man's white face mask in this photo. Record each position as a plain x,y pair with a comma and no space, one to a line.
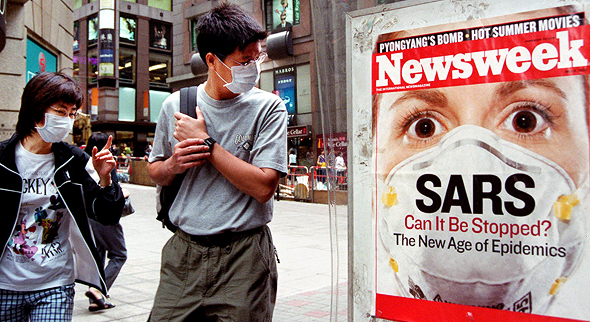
244,77
493,224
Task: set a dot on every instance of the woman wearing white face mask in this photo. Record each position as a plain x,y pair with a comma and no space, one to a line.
49,189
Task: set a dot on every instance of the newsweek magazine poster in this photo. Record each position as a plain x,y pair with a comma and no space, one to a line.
481,162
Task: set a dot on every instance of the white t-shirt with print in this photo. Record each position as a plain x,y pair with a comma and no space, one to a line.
38,254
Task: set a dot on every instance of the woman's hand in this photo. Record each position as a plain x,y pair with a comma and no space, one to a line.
104,162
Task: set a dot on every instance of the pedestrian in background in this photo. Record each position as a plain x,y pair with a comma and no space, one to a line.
340,168
48,191
109,239
321,164
220,263
292,160
309,158
115,150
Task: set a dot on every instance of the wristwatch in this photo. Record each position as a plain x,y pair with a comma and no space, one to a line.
209,142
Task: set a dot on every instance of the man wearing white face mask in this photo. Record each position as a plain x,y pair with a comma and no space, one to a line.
234,153
48,190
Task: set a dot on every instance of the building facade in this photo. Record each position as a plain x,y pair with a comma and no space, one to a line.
287,72
35,36
128,56
122,58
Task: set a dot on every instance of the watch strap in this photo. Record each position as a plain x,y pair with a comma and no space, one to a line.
209,142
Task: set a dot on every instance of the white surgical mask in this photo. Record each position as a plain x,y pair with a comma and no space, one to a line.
244,78
488,184
56,128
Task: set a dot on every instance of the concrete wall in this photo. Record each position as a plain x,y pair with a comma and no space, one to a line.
49,23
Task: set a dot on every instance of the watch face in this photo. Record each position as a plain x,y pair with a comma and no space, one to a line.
209,142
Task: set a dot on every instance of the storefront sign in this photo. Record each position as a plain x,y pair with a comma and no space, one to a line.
39,60
282,14
106,53
297,131
338,141
285,84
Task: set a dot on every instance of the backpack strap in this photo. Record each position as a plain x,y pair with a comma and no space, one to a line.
192,101
183,100
188,101
167,194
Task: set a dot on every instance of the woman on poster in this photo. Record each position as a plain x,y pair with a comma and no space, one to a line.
484,193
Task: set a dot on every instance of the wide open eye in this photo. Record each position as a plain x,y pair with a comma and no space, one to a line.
424,128
527,119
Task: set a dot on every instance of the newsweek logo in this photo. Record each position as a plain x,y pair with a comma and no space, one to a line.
531,55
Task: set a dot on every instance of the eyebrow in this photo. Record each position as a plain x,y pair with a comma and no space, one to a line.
62,105
431,96
438,98
509,88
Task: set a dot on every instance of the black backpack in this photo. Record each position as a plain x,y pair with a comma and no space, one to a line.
188,101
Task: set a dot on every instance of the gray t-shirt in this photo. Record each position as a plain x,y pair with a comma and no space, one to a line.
251,126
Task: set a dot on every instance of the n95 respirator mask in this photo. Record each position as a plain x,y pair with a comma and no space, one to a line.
480,221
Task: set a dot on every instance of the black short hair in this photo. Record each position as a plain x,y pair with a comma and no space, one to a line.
42,91
226,28
98,140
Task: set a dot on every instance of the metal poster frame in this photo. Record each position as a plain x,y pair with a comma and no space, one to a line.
469,218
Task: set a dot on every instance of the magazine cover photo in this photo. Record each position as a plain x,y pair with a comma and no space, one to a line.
481,156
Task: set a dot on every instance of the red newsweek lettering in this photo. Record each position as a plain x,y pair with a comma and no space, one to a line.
526,56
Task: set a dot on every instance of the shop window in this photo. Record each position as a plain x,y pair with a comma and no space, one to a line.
159,69
92,30
127,65
92,65
39,59
160,36
76,68
303,89
125,142
127,104
267,81
161,4
194,34
282,14
156,100
76,45
127,30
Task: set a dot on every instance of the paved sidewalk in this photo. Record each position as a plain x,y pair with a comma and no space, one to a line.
301,233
